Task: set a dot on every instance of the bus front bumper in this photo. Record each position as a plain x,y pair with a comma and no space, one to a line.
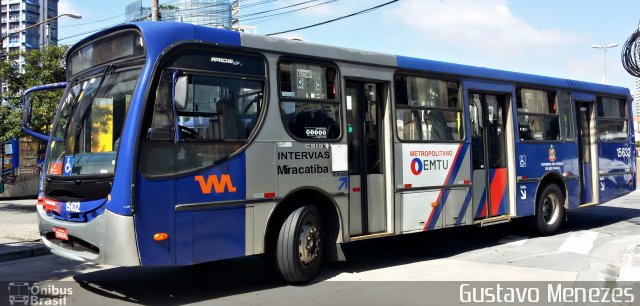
107,239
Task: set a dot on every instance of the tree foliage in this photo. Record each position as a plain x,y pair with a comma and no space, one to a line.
41,66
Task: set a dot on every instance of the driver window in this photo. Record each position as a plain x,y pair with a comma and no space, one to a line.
218,109
220,115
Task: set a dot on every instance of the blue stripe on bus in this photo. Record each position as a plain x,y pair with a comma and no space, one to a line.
511,77
465,206
481,204
457,164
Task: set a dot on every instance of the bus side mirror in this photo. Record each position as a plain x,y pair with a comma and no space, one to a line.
27,108
180,85
26,112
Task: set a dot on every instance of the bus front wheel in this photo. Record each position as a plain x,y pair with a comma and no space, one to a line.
549,210
299,250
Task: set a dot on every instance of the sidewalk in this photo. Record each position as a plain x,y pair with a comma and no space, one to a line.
19,237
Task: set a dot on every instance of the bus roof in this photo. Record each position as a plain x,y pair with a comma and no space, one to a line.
166,33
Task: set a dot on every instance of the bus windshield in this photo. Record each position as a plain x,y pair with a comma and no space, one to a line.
86,134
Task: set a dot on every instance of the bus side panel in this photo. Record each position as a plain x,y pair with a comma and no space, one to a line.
526,198
202,230
153,214
615,158
534,161
208,235
217,232
434,166
573,190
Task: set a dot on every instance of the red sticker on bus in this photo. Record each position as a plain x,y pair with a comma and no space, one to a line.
61,233
55,168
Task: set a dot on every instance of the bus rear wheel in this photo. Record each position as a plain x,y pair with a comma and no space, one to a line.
549,210
299,249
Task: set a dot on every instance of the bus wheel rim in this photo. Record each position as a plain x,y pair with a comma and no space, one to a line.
550,209
308,243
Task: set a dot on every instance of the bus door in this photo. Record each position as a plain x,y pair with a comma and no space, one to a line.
488,114
366,178
583,116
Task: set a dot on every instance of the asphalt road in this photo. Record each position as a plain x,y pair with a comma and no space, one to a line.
596,244
18,220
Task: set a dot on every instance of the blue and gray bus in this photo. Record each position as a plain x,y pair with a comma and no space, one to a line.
177,144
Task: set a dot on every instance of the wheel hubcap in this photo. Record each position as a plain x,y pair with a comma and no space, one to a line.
550,209
309,243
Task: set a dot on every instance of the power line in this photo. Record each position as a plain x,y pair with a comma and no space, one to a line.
336,19
242,17
205,5
91,22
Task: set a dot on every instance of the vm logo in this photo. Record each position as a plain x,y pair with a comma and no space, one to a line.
219,185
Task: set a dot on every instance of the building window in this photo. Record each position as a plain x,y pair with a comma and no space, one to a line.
538,118
308,100
612,119
428,109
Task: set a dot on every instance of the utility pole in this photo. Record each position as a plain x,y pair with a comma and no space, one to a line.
155,10
235,11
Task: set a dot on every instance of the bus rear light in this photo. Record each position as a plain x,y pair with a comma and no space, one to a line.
408,186
160,236
40,201
356,189
467,182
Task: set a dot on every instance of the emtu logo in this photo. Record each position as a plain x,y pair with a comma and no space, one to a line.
218,185
416,166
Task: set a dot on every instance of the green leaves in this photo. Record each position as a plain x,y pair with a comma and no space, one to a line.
41,66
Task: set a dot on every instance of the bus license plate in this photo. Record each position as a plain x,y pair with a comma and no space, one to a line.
61,233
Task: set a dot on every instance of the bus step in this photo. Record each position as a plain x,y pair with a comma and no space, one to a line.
493,221
368,236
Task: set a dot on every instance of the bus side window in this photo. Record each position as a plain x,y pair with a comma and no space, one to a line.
220,114
612,119
428,109
566,116
308,100
538,118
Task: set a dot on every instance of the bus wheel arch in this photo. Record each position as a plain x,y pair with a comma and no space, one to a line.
550,205
300,197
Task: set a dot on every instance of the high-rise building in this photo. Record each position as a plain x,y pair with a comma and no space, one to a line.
212,13
20,14
17,15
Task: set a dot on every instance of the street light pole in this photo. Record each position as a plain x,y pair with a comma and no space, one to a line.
605,47
2,38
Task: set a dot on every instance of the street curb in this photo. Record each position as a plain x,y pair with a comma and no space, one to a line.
21,250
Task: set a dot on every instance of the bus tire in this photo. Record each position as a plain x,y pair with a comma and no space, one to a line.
549,211
299,249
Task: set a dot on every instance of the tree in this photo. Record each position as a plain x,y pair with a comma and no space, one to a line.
41,66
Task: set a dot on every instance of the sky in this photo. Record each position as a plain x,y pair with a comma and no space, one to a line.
546,37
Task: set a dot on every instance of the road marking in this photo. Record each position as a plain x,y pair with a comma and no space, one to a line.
446,269
513,240
579,242
630,268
